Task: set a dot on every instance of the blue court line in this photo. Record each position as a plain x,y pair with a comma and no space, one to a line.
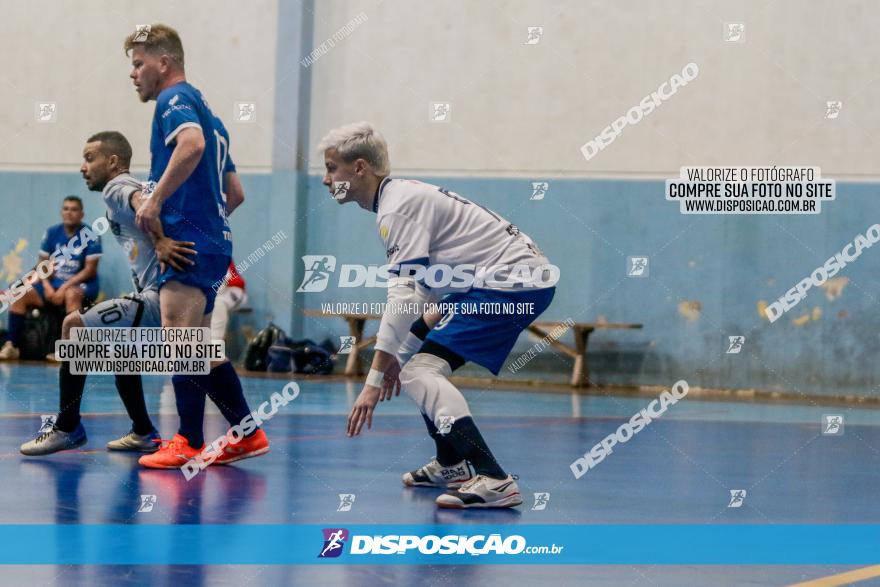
743,544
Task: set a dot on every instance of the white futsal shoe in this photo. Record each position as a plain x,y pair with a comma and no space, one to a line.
483,492
436,475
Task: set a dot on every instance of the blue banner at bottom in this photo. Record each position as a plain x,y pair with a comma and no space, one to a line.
453,544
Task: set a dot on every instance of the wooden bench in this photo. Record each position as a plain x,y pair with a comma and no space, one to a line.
580,374
356,323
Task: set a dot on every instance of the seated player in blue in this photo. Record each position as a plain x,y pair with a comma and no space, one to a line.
73,284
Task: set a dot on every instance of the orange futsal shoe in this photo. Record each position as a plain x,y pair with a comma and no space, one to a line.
253,446
171,456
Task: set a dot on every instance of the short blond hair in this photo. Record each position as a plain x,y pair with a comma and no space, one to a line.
359,141
157,39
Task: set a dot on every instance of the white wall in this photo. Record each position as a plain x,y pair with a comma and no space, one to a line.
70,52
526,109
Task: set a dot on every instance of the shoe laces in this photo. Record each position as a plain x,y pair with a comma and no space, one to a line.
44,435
167,444
467,486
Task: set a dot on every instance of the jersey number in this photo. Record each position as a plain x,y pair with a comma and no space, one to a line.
465,201
222,154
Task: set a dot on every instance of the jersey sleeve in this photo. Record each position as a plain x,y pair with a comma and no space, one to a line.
229,167
93,249
406,241
44,244
118,199
177,112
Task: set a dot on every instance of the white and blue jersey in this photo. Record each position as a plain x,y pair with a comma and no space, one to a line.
510,284
196,212
55,239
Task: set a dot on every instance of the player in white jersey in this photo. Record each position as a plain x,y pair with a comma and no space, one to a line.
105,168
491,277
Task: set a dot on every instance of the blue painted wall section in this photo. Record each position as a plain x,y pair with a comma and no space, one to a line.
708,274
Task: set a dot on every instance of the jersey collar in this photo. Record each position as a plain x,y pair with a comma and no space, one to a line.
379,193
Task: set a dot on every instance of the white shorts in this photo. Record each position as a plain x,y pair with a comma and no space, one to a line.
131,311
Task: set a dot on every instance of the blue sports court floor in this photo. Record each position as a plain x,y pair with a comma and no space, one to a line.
678,470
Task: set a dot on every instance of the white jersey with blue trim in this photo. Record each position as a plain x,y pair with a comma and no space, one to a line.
422,224
137,245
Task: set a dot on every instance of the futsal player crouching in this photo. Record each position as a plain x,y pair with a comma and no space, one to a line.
106,157
423,225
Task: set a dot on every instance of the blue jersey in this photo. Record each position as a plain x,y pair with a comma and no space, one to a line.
197,210
56,239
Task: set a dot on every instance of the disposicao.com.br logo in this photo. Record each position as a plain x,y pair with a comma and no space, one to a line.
320,268
334,540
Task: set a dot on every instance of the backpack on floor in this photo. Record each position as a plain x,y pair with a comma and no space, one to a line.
302,356
41,328
256,355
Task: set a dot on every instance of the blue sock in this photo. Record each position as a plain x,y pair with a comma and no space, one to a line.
189,393
225,391
16,324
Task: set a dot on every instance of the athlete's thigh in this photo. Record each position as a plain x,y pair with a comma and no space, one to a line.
182,305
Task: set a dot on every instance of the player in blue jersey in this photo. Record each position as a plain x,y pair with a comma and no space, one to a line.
73,283
189,159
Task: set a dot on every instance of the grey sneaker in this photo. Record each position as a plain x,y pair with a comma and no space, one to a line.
136,442
8,352
53,441
482,492
436,475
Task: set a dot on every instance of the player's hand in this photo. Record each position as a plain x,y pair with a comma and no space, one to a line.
147,217
57,296
174,253
391,382
362,411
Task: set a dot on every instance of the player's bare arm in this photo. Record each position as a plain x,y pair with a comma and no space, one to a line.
234,191
371,395
190,145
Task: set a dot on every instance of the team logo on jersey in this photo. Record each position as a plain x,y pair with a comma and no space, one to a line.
383,232
334,540
318,270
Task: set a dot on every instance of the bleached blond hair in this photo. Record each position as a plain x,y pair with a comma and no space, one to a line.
358,140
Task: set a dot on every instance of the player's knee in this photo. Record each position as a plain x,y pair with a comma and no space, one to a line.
72,320
73,295
20,305
424,364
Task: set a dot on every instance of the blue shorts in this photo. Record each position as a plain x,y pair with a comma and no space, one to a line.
207,275
90,289
488,323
